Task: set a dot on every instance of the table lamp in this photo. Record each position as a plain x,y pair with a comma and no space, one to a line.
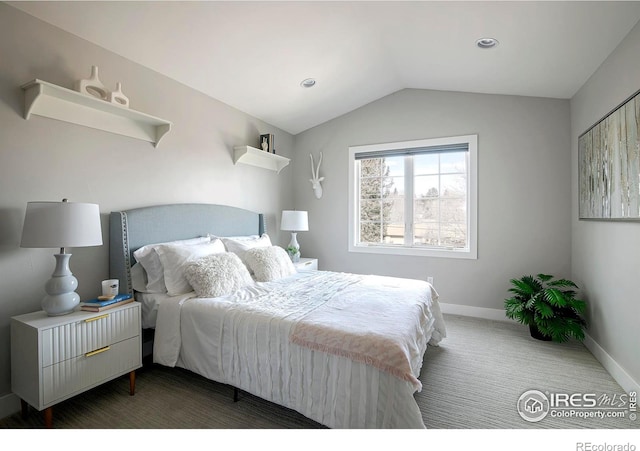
294,221
61,224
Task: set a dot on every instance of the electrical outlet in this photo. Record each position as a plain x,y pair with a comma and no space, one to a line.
430,280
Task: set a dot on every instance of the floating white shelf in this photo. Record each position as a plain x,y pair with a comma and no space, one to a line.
256,157
55,102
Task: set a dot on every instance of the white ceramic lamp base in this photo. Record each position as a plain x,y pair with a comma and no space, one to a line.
61,297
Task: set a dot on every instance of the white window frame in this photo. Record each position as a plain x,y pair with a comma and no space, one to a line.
470,252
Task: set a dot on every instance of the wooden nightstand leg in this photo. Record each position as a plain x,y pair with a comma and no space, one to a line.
24,409
132,383
48,417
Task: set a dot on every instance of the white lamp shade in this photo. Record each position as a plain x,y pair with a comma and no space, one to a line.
294,221
61,224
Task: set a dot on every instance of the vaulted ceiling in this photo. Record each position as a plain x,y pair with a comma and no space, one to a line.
253,55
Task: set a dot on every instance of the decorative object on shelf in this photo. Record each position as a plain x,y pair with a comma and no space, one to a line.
315,177
61,224
256,157
549,307
118,97
294,221
48,100
92,86
270,141
609,165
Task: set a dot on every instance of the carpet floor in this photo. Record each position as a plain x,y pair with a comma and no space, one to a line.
473,380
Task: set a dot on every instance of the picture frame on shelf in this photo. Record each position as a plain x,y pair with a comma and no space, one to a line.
267,143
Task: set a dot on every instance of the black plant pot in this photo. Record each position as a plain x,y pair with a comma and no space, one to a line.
535,333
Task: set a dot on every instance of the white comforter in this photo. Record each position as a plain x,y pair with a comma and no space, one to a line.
244,340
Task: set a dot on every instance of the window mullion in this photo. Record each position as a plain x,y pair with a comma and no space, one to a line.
381,209
358,202
408,200
439,202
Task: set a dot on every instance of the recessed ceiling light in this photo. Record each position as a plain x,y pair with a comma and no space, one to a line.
487,43
308,83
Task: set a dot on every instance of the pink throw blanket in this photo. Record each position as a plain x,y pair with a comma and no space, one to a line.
381,321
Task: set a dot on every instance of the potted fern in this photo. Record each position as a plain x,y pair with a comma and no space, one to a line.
549,307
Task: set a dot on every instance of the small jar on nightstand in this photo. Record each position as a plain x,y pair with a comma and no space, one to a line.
306,264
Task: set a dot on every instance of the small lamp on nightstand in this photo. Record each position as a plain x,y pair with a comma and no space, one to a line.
61,224
294,221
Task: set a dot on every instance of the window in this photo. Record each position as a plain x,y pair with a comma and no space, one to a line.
414,197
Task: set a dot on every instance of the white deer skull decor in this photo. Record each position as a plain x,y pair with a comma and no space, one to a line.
316,179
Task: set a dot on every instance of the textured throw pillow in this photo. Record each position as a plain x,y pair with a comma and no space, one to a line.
240,245
174,259
269,263
217,275
150,261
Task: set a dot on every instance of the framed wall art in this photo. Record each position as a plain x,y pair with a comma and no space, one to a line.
609,165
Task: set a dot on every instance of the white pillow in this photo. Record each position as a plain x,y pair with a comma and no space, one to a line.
138,278
217,275
240,244
269,263
148,258
174,258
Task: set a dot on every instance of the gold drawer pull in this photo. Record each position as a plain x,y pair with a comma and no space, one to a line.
308,263
96,318
97,351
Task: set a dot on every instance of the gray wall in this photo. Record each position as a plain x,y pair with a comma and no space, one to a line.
45,159
605,256
523,179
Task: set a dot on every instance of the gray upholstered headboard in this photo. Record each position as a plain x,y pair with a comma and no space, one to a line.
131,229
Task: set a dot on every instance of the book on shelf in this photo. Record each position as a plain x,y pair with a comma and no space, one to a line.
93,304
95,307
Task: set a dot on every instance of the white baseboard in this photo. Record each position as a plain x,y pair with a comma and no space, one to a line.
9,404
623,378
476,312
625,381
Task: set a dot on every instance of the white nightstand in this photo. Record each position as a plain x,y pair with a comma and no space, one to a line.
56,357
306,264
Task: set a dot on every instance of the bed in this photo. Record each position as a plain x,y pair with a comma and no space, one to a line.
307,341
